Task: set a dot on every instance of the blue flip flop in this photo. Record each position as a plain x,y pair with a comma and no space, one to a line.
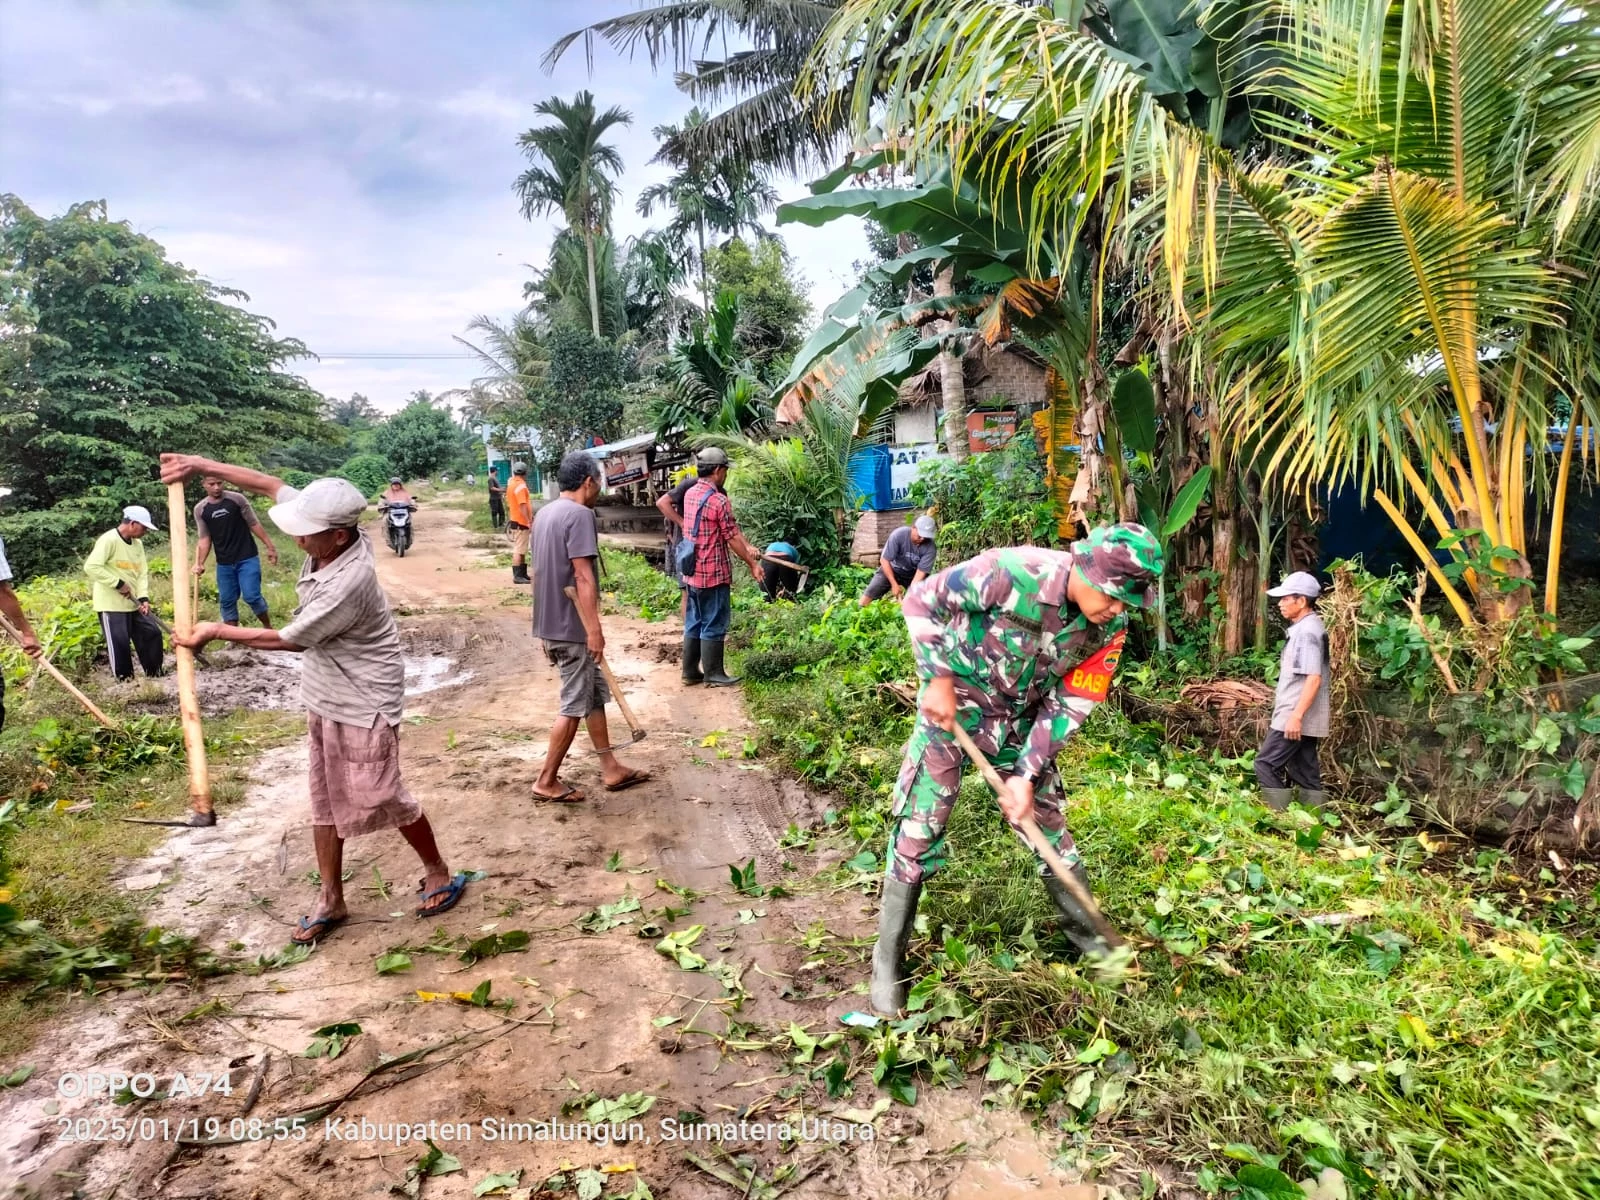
451,893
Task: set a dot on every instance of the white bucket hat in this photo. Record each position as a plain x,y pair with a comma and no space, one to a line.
322,504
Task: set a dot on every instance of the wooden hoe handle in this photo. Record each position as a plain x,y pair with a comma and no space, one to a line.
1041,845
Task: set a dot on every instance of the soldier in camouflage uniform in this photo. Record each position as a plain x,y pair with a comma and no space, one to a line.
1019,645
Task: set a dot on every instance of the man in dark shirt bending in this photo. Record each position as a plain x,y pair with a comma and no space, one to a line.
226,522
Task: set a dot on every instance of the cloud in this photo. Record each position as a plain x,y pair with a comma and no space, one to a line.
344,92
158,93
488,104
348,166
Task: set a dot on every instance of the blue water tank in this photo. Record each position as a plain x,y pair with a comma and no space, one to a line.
870,478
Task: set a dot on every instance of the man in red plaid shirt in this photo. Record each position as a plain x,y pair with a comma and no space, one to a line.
708,522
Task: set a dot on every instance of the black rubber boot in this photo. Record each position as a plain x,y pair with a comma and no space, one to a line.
691,662
1075,922
897,913
1277,799
1314,799
519,573
711,664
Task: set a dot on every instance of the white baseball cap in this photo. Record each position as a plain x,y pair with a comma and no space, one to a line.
924,526
139,513
1298,583
322,504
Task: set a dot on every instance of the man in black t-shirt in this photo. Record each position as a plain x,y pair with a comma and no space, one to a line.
226,521
497,502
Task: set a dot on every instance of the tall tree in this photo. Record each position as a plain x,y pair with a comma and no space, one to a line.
572,172
109,351
765,123
707,195
653,267
1396,293
419,439
773,308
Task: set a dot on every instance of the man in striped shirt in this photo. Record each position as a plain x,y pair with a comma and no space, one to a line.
352,682
708,523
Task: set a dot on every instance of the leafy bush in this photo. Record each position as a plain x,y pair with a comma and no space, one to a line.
296,478
369,472
797,489
994,499
632,580
59,610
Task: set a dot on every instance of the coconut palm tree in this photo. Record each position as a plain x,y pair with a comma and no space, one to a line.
765,123
1396,291
572,172
706,196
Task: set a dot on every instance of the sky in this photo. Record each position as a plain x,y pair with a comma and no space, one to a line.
347,165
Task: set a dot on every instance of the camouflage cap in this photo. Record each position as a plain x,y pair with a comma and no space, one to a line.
1123,561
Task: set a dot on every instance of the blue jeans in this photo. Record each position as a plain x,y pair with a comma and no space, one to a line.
236,578
707,615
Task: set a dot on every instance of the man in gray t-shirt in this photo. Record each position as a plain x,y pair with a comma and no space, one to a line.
907,558
566,552
1300,713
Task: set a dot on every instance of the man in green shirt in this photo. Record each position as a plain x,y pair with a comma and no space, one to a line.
121,577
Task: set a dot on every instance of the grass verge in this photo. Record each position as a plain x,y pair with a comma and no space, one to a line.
1312,993
64,785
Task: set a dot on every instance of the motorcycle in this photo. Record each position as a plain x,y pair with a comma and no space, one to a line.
397,520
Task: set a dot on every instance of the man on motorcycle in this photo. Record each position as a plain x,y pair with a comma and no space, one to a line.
398,530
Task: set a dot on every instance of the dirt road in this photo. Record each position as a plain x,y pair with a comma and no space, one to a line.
597,1012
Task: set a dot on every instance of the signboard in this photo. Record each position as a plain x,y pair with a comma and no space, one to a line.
904,463
623,469
990,430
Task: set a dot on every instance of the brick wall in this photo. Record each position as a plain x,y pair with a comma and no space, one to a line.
1015,378
872,530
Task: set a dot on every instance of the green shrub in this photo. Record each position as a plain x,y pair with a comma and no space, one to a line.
996,499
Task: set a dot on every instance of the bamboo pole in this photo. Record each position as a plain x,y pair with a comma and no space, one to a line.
194,738
50,667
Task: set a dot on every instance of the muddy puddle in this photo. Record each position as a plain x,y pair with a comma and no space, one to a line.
270,679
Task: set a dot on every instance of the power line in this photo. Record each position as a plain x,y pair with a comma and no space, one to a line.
365,355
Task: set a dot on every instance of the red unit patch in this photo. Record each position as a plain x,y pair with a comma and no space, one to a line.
1091,679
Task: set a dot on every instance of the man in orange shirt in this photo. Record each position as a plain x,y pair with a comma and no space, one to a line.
519,520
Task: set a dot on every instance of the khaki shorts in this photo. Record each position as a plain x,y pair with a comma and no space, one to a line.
519,540
355,777
583,687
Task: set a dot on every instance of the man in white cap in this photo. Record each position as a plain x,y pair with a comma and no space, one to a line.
1300,714
907,558
120,576
352,681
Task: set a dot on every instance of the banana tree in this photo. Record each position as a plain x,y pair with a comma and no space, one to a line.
959,232
1163,505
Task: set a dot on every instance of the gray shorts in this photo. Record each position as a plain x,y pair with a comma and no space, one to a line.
583,687
878,586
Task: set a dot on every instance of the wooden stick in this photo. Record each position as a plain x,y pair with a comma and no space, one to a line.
785,562
611,682
50,667
194,738
1041,845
